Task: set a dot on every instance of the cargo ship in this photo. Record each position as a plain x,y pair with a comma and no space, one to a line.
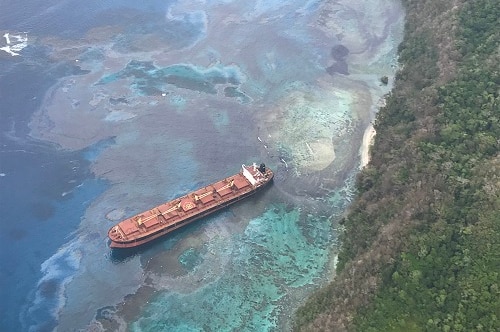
167,217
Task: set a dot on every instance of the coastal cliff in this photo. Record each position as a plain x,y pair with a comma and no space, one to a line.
421,243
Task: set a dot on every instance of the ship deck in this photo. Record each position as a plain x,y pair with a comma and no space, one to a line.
171,215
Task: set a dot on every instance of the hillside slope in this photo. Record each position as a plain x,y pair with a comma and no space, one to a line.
421,247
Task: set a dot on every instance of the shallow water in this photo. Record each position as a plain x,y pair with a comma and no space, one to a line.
167,97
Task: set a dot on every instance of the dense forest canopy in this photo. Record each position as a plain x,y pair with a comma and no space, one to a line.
421,246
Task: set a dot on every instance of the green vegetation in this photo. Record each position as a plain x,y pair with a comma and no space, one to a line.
421,249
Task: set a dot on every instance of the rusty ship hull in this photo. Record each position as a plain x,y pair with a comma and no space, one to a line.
167,217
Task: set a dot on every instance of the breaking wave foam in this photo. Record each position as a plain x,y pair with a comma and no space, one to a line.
14,43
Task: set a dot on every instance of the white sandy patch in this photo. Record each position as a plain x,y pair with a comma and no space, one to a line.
364,151
322,154
304,123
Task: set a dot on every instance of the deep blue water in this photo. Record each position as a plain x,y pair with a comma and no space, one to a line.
67,17
44,190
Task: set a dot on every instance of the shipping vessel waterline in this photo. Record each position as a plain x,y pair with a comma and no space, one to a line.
167,217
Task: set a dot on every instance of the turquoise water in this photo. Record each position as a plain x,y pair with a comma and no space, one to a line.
169,97
279,252
150,80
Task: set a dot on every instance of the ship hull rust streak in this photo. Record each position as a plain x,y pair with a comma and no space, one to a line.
167,217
